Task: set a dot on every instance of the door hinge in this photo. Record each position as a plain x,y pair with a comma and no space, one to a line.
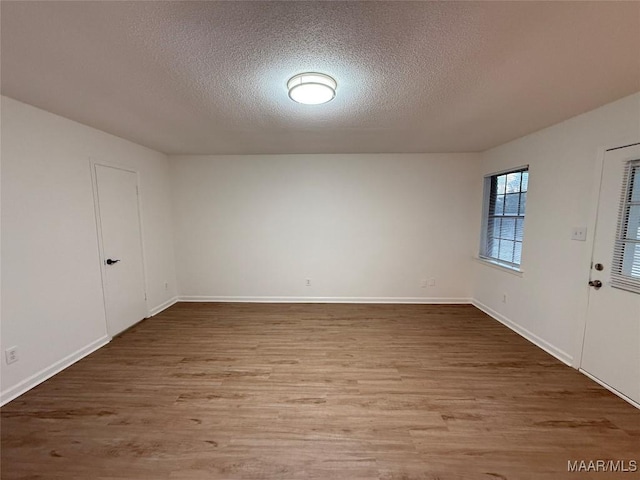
137,191
145,296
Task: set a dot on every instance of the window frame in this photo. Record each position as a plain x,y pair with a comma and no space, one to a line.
621,255
487,216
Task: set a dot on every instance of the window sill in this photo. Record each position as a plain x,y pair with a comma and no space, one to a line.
499,266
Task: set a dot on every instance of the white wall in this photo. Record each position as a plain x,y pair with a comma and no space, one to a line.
549,302
52,303
359,226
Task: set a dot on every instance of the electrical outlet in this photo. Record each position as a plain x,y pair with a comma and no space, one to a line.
308,282
579,234
432,282
11,355
423,283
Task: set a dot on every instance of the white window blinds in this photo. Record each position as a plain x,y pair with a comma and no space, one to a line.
626,252
505,199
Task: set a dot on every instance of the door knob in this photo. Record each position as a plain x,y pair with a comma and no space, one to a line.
111,262
595,284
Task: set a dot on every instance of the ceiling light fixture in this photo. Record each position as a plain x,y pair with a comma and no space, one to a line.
311,88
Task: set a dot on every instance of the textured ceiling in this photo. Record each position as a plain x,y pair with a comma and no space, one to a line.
209,77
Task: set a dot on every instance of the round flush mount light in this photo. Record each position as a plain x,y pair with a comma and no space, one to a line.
312,88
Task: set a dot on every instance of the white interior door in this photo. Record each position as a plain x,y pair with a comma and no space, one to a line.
123,270
611,350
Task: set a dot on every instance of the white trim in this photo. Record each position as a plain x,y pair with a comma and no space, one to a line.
507,170
392,300
499,266
163,306
96,212
611,389
594,201
561,355
50,371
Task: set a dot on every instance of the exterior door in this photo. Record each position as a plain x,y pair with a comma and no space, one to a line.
611,350
122,262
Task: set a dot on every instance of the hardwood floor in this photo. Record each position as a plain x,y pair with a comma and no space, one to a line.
272,391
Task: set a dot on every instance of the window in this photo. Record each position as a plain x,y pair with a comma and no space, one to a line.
505,199
626,253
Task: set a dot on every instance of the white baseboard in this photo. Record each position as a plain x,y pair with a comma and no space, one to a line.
561,355
51,370
391,300
163,306
612,390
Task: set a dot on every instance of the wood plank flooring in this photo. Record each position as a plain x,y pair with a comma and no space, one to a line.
273,391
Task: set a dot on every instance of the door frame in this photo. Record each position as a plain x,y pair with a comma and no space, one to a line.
93,163
594,202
